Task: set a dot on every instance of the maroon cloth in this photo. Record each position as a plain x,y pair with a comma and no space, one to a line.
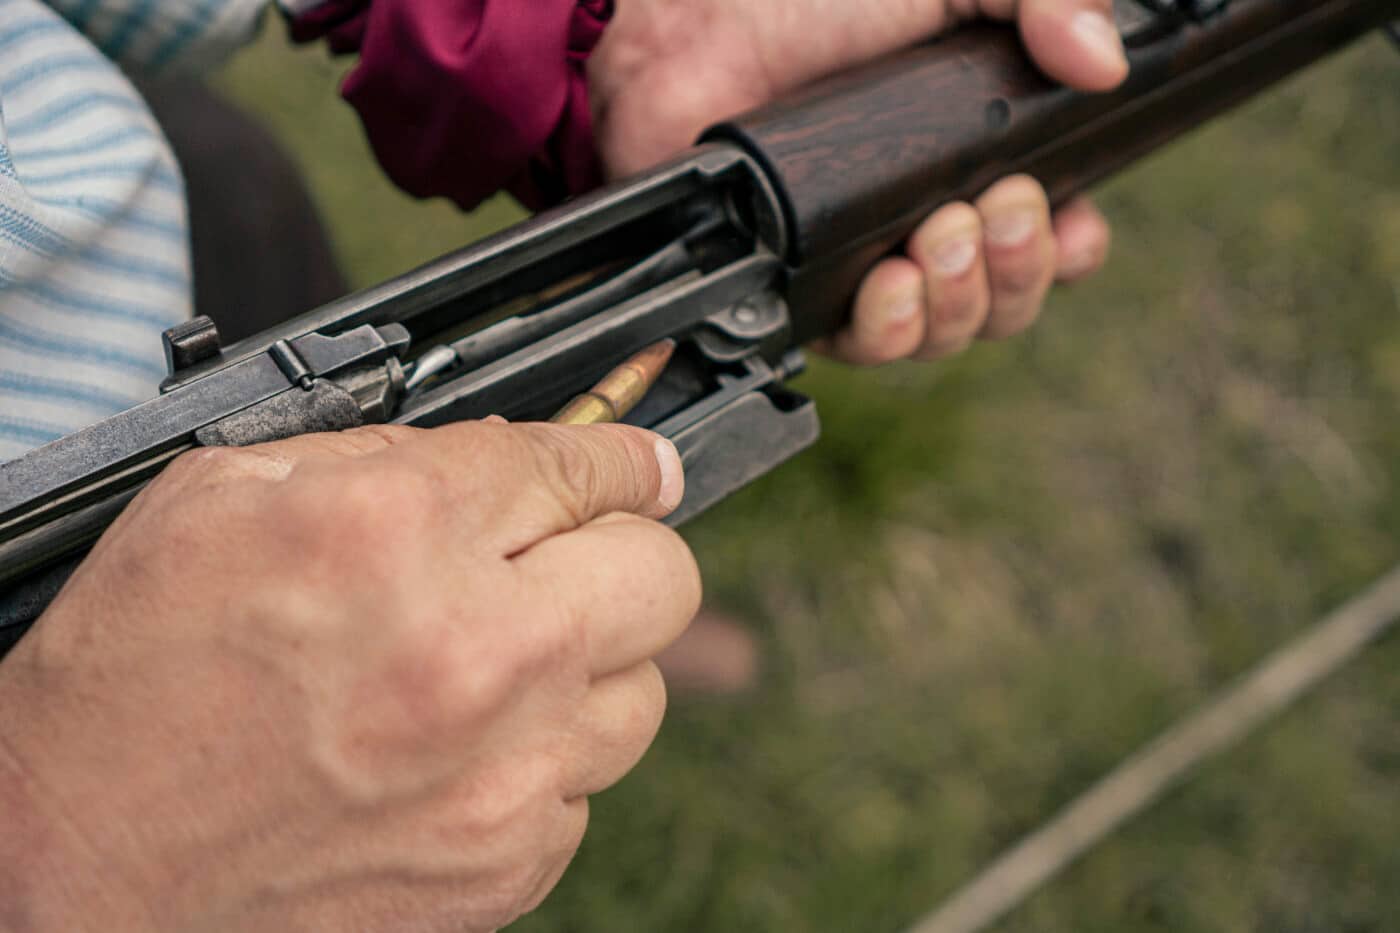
462,98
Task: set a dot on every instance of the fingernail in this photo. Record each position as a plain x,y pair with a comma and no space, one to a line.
906,308
1010,229
1100,37
672,474
494,419
955,257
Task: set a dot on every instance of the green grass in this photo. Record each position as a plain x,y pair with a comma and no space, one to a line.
995,577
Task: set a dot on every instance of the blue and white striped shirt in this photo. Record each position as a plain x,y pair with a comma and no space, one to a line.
94,244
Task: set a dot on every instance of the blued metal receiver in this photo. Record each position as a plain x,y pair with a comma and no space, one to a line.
513,326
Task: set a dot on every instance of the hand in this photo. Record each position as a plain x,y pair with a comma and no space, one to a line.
358,681
667,69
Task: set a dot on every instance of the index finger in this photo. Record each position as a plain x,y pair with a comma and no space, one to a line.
631,586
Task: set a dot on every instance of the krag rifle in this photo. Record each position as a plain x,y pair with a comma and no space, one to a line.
742,249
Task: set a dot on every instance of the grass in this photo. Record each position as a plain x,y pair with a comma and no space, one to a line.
995,577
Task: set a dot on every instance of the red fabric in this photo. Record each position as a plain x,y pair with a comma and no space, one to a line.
462,98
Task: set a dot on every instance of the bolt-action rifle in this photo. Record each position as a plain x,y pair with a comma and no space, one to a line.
741,249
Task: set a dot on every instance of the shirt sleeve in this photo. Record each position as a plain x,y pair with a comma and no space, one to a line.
156,36
465,98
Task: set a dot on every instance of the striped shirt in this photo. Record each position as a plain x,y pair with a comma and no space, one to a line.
94,243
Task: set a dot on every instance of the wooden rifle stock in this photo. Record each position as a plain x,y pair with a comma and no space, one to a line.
862,158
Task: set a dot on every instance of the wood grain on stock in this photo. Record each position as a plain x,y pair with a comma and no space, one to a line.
862,158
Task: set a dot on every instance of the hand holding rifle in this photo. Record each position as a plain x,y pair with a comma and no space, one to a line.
667,69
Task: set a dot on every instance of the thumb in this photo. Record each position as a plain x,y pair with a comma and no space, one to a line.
593,470
531,481
1075,42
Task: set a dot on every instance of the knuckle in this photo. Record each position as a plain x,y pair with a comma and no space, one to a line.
555,640
692,590
461,677
584,471
1011,319
847,347
493,905
355,442
354,515
575,825
956,219
547,880
639,718
427,687
222,482
397,492
365,501
962,10
372,438
1019,187
680,569
358,495
522,883
576,472
208,465
571,476
972,9
938,350
446,683
958,214
506,898
500,461
198,462
1024,274
1020,278
503,886
516,798
956,314
563,837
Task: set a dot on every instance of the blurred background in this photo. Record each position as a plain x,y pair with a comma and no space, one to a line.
995,577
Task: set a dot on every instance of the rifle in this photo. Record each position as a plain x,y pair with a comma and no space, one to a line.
742,249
